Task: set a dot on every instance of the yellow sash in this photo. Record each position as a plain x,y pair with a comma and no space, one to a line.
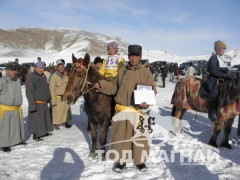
4,108
59,97
136,109
41,102
119,107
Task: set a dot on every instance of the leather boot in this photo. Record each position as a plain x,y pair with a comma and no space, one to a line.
67,125
212,110
56,127
6,149
119,168
142,167
37,138
212,115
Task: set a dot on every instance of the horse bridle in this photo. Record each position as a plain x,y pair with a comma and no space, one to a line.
79,66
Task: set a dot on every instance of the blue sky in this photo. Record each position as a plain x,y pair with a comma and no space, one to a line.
181,27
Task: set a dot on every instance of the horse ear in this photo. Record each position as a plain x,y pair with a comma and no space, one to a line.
86,59
74,59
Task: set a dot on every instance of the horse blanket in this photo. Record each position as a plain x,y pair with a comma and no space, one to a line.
186,96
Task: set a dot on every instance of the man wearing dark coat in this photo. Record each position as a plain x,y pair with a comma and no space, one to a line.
218,67
171,72
156,71
38,95
164,71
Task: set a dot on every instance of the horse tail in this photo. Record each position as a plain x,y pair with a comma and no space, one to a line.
173,110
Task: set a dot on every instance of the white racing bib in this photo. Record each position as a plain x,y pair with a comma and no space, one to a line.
112,61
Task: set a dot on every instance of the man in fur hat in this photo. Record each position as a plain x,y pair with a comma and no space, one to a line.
126,110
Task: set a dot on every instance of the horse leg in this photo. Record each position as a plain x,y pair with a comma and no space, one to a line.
93,153
178,115
174,110
227,132
103,138
88,127
182,113
216,130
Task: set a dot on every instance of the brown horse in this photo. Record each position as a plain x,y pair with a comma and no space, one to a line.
186,96
82,78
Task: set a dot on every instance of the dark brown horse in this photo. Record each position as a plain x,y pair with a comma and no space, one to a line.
186,96
82,78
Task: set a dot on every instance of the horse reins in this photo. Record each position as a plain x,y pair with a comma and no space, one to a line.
85,79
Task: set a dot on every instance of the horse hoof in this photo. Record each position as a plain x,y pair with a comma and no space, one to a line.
88,129
214,144
226,145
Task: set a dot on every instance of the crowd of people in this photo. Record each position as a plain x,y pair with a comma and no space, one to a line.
41,91
162,69
122,78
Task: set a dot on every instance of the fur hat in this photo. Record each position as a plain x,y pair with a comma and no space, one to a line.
40,64
98,60
134,50
218,45
60,61
113,45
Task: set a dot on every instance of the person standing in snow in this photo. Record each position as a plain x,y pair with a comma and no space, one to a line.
11,123
61,111
38,96
171,70
156,71
164,72
122,131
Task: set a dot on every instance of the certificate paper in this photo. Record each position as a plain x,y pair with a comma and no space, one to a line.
147,96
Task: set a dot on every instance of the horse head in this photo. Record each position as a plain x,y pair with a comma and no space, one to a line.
77,78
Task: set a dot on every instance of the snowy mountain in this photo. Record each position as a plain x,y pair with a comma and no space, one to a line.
64,155
51,44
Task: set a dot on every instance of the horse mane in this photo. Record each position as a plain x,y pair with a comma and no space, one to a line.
94,74
229,92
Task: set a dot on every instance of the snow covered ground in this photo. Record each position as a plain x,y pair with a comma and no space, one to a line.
65,154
